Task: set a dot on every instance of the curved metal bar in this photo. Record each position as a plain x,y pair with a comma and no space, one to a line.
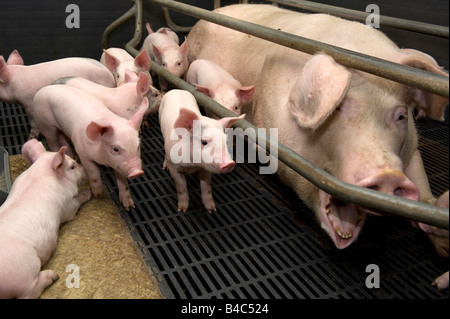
428,81
419,27
117,23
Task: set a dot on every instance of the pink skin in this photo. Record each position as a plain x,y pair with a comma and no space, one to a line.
100,137
19,83
355,126
166,52
153,95
164,30
123,100
214,81
118,61
42,197
179,110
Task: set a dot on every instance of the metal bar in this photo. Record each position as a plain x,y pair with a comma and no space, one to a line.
117,23
414,26
429,214
389,204
428,81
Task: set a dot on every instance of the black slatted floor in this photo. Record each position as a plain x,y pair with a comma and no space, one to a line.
262,242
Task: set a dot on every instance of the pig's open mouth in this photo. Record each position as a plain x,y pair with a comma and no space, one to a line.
342,221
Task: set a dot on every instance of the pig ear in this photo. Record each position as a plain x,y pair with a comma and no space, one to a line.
111,61
31,150
157,52
143,61
204,90
228,121
320,89
3,70
136,120
142,85
15,58
184,50
186,119
58,161
431,104
245,93
130,76
149,28
96,131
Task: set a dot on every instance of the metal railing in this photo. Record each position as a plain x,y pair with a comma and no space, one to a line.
429,214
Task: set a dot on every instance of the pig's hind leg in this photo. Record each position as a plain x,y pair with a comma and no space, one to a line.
43,280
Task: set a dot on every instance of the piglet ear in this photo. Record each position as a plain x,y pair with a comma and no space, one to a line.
136,120
143,61
96,131
321,87
430,104
31,150
142,85
111,61
204,90
184,50
58,161
245,93
15,58
157,52
228,121
186,119
3,70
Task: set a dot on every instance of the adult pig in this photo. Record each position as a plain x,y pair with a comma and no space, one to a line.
193,142
123,100
66,113
41,198
214,81
356,126
118,60
19,83
166,52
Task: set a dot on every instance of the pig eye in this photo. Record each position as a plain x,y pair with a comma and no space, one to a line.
204,142
179,63
164,64
115,150
401,116
73,166
236,108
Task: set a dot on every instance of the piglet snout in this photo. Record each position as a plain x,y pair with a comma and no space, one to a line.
227,167
392,182
134,173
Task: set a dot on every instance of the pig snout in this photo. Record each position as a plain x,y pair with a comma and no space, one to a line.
391,182
135,172
227,167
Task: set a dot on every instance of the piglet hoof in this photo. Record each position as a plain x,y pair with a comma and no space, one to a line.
127,202
441,282
183,206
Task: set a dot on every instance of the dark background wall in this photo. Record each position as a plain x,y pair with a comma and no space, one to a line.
37,27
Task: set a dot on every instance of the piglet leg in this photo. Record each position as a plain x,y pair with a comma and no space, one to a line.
93,173
124,191
205,186
180,185
43,280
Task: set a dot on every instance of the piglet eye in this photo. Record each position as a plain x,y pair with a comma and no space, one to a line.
204,142
115,150
73,166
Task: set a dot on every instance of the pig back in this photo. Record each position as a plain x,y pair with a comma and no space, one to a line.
243,55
